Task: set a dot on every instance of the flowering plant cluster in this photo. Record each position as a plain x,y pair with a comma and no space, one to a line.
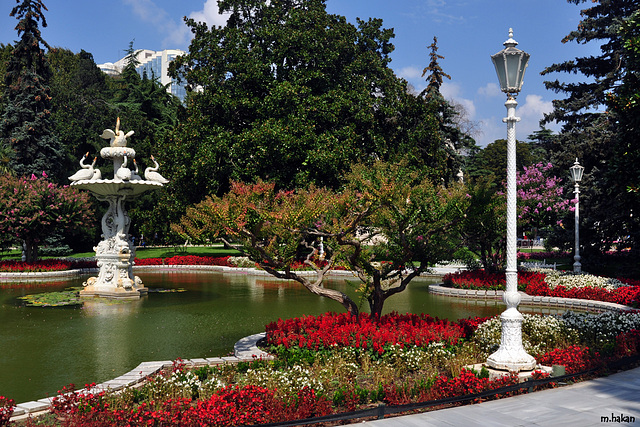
32,208
44,265
626,295
480,279
364,332
540,197
6,410
570,280
230,406
574,358
539,334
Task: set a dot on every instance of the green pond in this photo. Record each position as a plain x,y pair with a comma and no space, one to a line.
44,349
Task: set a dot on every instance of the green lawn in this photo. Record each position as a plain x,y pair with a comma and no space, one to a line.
148,252
166,252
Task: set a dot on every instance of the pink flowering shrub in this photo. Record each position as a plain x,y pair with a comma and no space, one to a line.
540,197
32,209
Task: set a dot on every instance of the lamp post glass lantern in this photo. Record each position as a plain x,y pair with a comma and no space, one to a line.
576,176
510,64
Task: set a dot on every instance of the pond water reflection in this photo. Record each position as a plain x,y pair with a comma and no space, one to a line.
47,348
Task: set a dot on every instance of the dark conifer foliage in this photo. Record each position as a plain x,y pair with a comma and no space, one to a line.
26,125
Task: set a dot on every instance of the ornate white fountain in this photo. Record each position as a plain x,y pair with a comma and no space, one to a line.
116,252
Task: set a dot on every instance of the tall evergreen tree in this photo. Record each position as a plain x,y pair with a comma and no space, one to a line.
26,124
591,133
451,138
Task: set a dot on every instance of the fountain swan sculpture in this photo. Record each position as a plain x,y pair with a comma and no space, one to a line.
123,173
117,138
86,172
150,173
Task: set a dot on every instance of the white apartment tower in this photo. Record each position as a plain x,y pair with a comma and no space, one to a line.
155,64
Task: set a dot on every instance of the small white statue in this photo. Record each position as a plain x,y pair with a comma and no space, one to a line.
124,173
150,173
134,173
86,172
117,138
96,172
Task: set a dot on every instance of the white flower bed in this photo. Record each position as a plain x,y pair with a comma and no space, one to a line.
572,280
544,333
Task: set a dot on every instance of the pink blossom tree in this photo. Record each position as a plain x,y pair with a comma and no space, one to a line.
32,208
541,198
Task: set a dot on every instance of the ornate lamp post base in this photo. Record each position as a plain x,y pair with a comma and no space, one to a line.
511,356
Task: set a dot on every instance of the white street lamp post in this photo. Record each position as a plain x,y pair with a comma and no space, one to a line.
576,176
511,64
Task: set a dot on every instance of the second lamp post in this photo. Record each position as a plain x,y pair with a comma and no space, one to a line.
576,176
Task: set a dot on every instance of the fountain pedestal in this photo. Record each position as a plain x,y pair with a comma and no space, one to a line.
116,252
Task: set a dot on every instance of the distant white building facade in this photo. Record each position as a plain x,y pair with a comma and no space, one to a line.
155,64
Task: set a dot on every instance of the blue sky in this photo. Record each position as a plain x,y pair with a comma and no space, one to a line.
468,32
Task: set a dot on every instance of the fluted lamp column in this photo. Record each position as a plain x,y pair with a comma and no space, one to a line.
510,64
576,176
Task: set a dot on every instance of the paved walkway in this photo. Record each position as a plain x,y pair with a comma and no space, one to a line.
613,400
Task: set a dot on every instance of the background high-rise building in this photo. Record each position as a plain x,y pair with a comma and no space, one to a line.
155,64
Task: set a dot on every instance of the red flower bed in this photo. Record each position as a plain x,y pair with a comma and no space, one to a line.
343,330
231,406
533,283
185,260
574,358
44,265
480,279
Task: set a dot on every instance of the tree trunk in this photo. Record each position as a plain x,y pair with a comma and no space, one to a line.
31,250
377,297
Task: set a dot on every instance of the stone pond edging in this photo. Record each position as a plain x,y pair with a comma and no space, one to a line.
525,299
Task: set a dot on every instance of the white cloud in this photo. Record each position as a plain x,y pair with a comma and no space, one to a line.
530,113
491,90
176,33
410,73
210,15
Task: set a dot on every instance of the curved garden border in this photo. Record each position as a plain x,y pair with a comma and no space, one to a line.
246,349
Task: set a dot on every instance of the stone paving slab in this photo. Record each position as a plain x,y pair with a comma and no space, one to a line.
33,406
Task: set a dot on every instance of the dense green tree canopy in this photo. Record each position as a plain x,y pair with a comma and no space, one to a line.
492,160
290,93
